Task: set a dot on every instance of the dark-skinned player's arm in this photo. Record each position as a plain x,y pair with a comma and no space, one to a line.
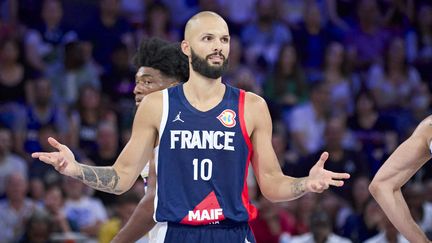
402,164
141,221
274,185
120,177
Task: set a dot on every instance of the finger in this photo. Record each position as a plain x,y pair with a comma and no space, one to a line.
55,143
36,155
324,156
336,183
335,175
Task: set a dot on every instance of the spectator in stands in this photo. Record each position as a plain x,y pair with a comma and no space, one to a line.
158,23
395,83
118,82
343,157
365,224
286,86
307,121
264,37
54,202
43,111
9,162
374,133
272,222
337,76
420,209
388,233
320,231
38,229
311,39
105,31
419,42
44,43
366,42
72,73
15,85
87,212
123,208
15,209
85,120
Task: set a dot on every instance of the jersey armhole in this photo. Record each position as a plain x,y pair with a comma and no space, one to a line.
242,120
165,111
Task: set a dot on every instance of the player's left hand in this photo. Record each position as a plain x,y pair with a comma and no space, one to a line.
320,179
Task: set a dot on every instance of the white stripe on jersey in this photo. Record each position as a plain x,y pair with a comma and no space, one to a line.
165,111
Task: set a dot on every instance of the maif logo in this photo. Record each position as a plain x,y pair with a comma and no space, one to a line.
227,118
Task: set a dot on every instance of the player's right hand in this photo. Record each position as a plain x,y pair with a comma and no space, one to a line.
63,160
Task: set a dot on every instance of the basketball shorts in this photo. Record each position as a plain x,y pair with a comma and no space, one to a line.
213,233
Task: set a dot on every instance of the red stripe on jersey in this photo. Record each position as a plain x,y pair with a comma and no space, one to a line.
252,211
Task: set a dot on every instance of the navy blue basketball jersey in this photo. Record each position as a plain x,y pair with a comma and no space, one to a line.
202,161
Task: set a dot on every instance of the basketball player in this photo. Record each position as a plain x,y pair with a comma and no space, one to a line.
206,133
161,65
405,161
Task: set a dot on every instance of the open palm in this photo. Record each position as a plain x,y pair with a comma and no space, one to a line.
63,160
320,179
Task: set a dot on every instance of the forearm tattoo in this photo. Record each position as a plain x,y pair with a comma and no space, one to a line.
299,187
100,178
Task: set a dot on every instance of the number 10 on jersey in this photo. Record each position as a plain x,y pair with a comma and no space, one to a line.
204,167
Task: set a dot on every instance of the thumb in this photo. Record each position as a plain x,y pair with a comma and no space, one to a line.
324,156
54,143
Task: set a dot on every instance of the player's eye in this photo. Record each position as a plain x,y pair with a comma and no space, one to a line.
207,38
225,40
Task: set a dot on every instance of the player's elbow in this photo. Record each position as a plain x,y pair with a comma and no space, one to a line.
269,196
374,188
378,187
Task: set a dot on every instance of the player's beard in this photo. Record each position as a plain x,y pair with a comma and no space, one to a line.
201,66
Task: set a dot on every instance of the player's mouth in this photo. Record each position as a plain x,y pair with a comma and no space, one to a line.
216,58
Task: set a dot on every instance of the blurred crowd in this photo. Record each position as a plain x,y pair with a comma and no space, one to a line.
351,77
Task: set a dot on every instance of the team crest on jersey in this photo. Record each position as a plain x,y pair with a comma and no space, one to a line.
227,118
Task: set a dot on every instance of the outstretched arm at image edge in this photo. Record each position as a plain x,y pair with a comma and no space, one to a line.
274,185
394,173
141,221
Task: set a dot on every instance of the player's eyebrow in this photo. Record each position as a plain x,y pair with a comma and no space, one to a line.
210,34
145,75
139,78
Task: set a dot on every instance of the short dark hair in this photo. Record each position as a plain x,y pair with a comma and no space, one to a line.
163,56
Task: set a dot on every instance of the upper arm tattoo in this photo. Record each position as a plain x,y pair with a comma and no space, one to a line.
100,178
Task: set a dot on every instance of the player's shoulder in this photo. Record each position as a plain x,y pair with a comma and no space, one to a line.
424,128
151,103
256,111
255,101
153,99
426,122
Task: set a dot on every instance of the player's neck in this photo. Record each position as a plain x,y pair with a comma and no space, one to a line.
202,88
203,95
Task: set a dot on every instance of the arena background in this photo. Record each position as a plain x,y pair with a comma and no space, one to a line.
353,78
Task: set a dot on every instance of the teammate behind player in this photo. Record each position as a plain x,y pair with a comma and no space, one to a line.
405,161
160,65
202,159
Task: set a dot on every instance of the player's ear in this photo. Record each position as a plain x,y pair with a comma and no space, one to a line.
185,48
